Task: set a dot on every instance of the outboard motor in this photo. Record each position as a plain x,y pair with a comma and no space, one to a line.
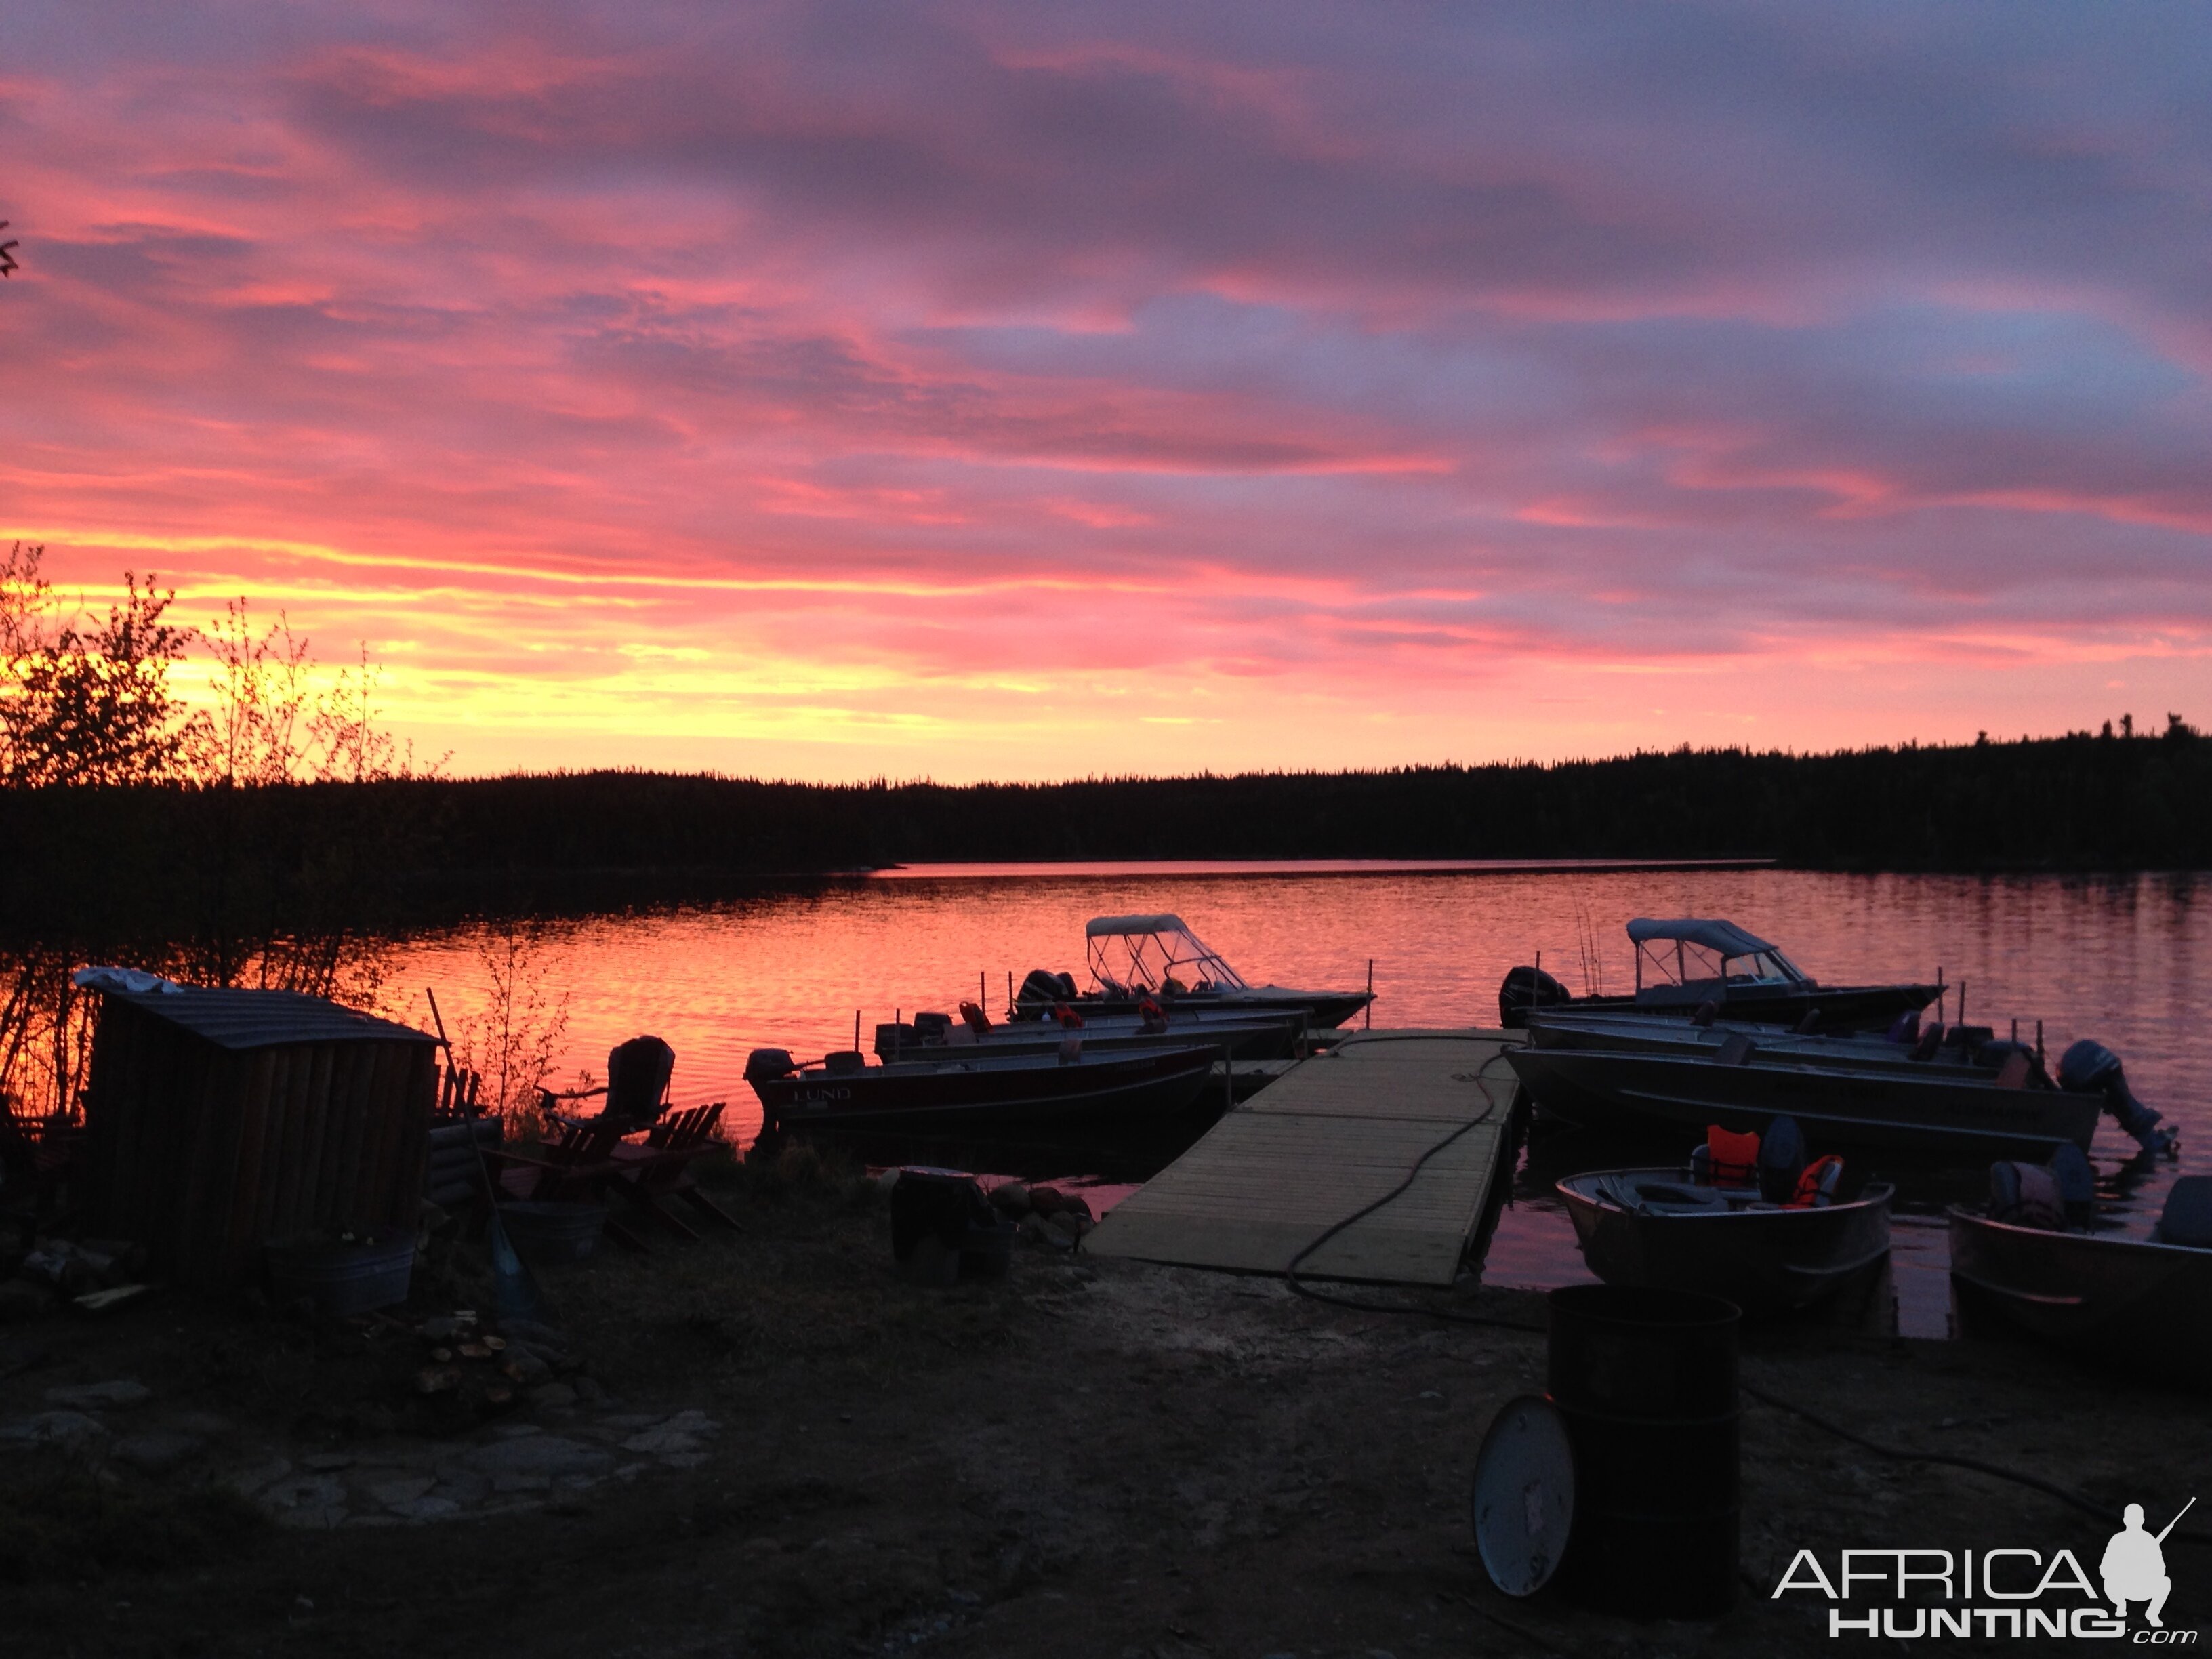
763,1064
2090,1068
1041,990
1525,988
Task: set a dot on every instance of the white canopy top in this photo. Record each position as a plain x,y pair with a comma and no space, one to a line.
1106,926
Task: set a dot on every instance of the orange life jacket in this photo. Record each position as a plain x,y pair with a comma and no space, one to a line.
1149,1013
1068,1018
1816,1187
978,1021
1735,1157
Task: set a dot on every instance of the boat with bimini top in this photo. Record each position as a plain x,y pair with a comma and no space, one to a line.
1157,957
1686,962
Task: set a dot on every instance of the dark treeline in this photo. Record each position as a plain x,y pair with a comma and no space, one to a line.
2082,802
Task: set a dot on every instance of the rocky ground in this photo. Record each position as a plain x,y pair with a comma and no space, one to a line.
767,1444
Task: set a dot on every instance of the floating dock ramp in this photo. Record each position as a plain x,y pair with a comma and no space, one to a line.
1331,1135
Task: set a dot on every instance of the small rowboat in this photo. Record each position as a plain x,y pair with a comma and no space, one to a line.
2144,1304
1655,1227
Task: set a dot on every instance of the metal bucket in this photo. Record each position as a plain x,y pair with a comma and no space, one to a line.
1645,1380
342,1279
546,1233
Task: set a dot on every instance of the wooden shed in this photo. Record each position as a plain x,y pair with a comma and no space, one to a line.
218,1120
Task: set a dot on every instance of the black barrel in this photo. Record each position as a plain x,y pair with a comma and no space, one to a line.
1645,1380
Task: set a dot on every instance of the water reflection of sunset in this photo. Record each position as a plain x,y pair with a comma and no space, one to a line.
790,970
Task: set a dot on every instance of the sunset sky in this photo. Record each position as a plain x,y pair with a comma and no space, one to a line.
1035,390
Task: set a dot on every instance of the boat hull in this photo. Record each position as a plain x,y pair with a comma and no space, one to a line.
2129,1302
1276,1039
1642,1032
1324,1010
1143,1085
1840,1008
1953,1117
1765,1261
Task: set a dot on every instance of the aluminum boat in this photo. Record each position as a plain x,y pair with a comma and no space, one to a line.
1685,963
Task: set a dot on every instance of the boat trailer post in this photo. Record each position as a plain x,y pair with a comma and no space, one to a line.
1371,993
856,1030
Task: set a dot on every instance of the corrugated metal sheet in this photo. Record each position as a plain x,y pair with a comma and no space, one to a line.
242,1019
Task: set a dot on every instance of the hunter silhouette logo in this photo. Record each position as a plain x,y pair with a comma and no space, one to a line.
2134,1567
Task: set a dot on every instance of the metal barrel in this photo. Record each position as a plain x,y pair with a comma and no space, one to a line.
1645,1380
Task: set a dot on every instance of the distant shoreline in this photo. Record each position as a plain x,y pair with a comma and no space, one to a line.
117,861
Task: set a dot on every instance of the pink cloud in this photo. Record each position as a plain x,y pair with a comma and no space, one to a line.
961,389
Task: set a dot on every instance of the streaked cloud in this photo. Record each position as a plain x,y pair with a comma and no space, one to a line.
985,390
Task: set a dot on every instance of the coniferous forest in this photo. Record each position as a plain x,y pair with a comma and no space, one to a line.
2083,802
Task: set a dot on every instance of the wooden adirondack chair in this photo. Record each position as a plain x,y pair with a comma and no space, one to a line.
661,1168
581,1165
636,1089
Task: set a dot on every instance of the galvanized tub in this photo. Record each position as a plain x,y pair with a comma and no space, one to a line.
548,1232
341,1277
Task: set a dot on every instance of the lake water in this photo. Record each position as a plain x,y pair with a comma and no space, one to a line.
2127,960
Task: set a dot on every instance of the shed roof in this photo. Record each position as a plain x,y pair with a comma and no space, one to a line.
265,1020
1714,934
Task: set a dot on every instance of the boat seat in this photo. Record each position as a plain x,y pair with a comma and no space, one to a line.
2025,1196
2187,1218
845,1062
1735,1049
1650,1194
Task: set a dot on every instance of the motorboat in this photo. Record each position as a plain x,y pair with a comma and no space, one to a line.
1157,959
1907,1044
978,1089
1235,1034
1964,1114
1663,1228
1957,1090
2143,1302
1686,962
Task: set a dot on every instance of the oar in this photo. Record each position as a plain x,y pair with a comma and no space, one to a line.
515,1294
2176,1521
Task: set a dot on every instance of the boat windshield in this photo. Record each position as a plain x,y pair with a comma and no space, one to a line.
1129,955
1673,963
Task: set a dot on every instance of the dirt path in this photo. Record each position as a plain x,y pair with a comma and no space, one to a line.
1088,1459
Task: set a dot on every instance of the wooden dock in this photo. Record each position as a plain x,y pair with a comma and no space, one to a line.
1330,1135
